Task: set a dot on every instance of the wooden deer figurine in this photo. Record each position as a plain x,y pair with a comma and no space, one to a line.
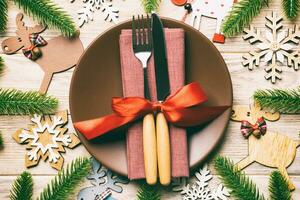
213,9
57,55
271,149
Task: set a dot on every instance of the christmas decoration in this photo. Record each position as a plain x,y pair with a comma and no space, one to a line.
241,15
291,8
45,11
284,101
148,192
56,55
278,150
150,5
242,188
179,2
16,102
199,190
46,139
274,47
210,9
59,188
22,188
103,181
85,14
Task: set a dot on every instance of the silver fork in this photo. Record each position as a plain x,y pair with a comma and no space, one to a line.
142,47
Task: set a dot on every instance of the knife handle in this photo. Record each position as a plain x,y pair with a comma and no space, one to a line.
149,144
163,149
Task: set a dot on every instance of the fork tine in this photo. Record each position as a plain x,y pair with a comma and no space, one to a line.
133,32
149,31
144,32
139,31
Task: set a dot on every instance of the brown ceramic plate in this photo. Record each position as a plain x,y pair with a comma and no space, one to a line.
97,78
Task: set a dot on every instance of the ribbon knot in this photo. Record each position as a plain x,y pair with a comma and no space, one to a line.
33,52
257,129
184,109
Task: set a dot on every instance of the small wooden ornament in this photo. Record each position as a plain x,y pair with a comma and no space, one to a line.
179,2
274,47
272,149
60,53
212,9
47,138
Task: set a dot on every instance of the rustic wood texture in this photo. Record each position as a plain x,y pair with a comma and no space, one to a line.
24,74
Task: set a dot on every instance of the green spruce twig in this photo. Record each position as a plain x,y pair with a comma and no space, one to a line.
66,181
150,5
15,102
22,188
148,192
1,142
284,101
291,8
49,14
241,186
278,187
3,15
241,15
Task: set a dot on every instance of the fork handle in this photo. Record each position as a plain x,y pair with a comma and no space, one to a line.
146,86
163,149
149,144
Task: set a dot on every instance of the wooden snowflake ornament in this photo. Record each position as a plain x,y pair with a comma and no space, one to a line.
274,47
199,190
46,138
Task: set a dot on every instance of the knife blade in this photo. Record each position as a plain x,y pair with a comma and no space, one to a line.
163,90
160,59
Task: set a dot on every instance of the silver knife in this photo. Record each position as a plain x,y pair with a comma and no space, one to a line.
163,90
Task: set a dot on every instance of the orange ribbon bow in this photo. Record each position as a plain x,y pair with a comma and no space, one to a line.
184,109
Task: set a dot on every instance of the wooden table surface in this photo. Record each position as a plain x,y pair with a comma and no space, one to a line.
23,74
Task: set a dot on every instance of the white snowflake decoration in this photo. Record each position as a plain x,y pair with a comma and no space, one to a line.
199,190
46,138
274,47
85,14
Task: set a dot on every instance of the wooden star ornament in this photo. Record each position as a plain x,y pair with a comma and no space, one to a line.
47,138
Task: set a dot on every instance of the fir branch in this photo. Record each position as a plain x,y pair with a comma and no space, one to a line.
3,15
150,5
240,185
49,14
15,102
278,187
284,101
1,142
22,188
66,181
241,15
291,8
148,192
1,59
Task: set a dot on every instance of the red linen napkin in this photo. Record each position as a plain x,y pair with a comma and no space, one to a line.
133,85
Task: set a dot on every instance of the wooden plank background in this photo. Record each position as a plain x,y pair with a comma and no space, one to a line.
23,74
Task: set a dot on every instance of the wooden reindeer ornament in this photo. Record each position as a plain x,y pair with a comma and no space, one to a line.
56,55
212,9
271,149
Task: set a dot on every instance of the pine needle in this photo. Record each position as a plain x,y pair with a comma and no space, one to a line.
15,102
22,188
1,142
150,5
148,192
291,8
3,15
278,187
49,14
66,181
284,101
241,186
240,16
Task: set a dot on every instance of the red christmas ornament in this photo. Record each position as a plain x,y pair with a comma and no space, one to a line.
179,2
